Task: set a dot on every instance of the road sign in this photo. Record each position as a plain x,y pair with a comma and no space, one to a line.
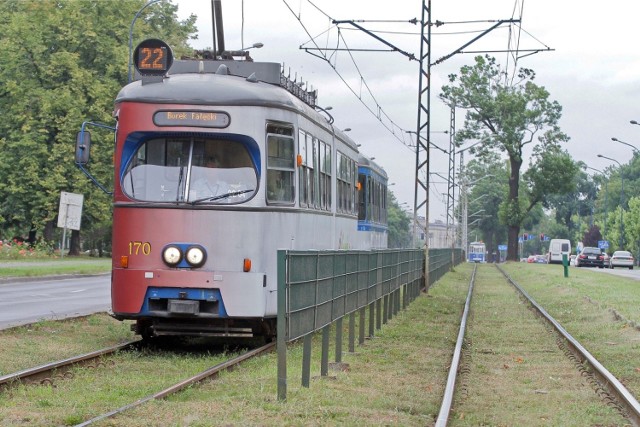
70,212
502,247
603,244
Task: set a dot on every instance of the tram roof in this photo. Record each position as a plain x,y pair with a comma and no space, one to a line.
243,83
367,162
210,89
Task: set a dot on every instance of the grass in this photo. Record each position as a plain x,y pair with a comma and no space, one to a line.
586,304
388,381
45,341
517,375
48,267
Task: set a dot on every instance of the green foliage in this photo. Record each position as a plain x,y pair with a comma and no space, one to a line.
62,62
632,225
511,212
552,171
507,117
489,178
398,221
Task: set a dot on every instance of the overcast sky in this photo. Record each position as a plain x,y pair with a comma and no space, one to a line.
593,70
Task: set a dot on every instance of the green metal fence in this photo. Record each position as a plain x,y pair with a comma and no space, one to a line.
318,288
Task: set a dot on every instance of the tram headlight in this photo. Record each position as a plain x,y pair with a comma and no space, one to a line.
196,256
172,255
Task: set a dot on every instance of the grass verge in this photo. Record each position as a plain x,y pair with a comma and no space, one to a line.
597,308
517,373
518,376
39,267
395,378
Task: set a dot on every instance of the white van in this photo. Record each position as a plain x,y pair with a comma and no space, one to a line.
557,247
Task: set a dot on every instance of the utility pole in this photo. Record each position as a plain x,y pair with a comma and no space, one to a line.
451,196
423,123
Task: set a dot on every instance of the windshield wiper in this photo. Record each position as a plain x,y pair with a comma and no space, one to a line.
180,176
221,196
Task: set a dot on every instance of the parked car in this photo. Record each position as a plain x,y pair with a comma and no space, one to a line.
540,259
621,259
590,257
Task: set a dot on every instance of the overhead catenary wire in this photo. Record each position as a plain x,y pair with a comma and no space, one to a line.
397,131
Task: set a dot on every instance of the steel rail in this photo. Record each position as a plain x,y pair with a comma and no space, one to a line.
606,378
447,400
43,371
213,371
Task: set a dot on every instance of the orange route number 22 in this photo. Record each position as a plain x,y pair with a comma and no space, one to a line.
152,58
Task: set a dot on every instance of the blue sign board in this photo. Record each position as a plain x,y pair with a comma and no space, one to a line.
603,244
502,247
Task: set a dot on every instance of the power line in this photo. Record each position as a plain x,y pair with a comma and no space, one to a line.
392,127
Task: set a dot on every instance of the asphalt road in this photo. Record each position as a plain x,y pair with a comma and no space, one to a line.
619,271
30,300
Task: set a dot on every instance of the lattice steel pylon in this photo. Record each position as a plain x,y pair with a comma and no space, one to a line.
451,188
421,195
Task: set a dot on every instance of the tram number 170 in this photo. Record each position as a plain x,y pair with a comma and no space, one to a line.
137,248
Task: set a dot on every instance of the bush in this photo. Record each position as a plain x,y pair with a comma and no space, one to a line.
15,249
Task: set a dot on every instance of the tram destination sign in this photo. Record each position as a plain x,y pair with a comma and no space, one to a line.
192,118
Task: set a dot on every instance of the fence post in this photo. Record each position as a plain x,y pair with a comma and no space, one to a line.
352,332
306,359
339,340
281,330
324,362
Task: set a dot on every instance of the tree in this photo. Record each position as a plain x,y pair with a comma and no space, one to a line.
592,236
508,118
398,221
632,226
63,62
489,178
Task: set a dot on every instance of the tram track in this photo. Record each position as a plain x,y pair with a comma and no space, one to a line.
606,385
175,388
48,372
588,364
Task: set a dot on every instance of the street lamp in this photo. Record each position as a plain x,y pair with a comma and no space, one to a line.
633,122
635,150
621,199
230,54
479,197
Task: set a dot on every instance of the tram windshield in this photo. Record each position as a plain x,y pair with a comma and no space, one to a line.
191,170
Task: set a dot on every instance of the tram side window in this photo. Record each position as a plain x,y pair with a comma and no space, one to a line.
346,179
362,205
280,164
308,187
325,175
384,204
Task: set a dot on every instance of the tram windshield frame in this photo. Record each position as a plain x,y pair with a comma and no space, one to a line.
191,170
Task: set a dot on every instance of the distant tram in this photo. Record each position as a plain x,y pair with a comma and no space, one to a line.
477,252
